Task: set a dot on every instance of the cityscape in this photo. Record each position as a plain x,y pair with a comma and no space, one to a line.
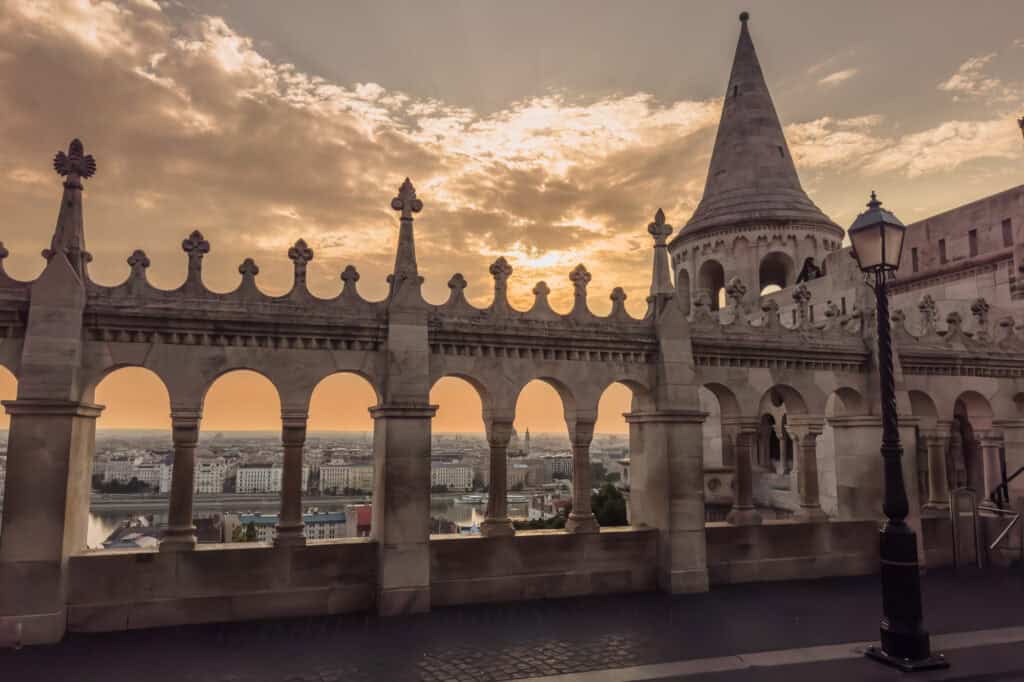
238,483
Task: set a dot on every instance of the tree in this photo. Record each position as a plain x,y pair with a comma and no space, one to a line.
251,535
237,534
518,486
559,476
597,471
613,477
440,488
609,506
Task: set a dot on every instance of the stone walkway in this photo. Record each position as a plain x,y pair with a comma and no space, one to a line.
527,639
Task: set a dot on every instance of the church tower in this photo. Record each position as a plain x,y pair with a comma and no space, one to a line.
755,221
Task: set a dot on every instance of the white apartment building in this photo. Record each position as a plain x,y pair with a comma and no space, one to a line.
517,474
148,474
321,526
263,479
209,476
557,464
453,476
338,475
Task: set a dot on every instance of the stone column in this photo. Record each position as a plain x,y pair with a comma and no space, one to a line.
804,431
937,440
46,514
497,522
743,512
991,442
581,519
1013,446
181,533
401,506
293,437
667,493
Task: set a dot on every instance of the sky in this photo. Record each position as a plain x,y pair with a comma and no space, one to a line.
548,133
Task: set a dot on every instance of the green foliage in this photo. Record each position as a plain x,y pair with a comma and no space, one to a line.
597,471
555,522
609,506
613,477
116,487
559,476
251,535
517,487
439,488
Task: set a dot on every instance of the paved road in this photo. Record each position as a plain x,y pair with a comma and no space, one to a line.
526,639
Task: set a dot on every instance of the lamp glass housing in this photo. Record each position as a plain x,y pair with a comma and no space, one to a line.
877,240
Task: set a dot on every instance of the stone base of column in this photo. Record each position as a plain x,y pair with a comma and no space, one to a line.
743,516
493,528
178,540
936,508
810,515
582,523
399,602
32,628
290,536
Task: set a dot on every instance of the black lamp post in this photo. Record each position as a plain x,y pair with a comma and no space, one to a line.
877,238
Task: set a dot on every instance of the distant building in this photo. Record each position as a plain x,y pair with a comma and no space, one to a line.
317,526
339,475
209,476
258,479
517,474
557,464
452,476
358,518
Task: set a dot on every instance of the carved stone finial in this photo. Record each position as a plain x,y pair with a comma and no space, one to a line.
929,314
735,290
350,275
138,262
4,253
74,165
195,245
701,304
980,308
954,323
659,229
457,283
501,270
541,290
618,297
300,254
248,268
580,278
406,201
802,298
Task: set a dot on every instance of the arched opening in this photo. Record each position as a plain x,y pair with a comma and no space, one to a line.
776,269
543,499
339,454
239,461
718,443
923,407
779,403
460,457
712,280
614,446
131,474
770,289
972,414
842,402
683,290
8,391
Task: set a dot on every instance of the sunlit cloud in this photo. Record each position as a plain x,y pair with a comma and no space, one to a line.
838,77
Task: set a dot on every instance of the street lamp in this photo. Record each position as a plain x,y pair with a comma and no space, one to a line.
877,238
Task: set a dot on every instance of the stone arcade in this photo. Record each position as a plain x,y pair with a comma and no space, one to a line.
788,394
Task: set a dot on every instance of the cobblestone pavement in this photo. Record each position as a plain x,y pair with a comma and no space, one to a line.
524,639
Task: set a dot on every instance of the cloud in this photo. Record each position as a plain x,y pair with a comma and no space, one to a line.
947,146
829,142
195,128
970,79
838,77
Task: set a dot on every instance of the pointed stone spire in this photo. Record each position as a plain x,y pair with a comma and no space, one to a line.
751,177
405,258
69,235
661,280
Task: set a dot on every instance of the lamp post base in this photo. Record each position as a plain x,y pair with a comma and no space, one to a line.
934,662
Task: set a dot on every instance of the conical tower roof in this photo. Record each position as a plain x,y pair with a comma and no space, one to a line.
751,177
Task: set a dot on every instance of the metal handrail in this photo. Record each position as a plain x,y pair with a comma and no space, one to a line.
954,517
1014,519
1002,491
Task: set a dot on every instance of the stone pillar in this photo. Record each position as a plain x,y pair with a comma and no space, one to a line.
991,443
581,519
937,441
181,533
290,531
859,481
1013,446
667,493
743,512
804,431
46,514
401,506
497,522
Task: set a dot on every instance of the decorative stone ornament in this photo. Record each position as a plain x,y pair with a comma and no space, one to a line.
406,201
75,165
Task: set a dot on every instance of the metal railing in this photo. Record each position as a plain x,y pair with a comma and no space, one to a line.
1000,495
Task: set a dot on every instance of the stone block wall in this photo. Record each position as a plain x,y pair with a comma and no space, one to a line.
542,564
129,589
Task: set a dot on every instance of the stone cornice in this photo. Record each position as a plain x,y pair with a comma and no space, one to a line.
44,407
